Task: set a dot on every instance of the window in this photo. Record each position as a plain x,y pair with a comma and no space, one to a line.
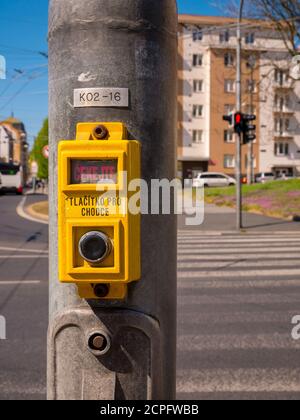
197,35
198,86
229,60
228,136
224,37
251,86
281,76
229,86
229,161
282,149
197,111
282,124
197,60
250,38
287,125
197,136
229,109
279,125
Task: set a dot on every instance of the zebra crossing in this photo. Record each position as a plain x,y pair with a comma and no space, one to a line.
237,295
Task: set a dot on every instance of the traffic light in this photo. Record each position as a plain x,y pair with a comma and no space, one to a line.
248,128
238,123
229,118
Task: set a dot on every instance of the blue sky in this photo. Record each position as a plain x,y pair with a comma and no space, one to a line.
23,41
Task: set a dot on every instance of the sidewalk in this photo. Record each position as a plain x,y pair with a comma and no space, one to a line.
223,219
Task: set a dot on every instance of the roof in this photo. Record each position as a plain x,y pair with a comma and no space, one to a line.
11,120
217,20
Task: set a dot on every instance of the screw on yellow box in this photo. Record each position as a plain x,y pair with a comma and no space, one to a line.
99,238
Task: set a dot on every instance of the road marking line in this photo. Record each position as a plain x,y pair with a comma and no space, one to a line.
22,257
16,282
35,251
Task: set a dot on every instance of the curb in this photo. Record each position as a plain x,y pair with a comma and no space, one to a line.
32,217
42,217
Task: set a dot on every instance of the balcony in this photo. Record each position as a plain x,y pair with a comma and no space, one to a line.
283,135
283,111
284,85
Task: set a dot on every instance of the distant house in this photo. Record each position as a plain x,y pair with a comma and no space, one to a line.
13,143
4,145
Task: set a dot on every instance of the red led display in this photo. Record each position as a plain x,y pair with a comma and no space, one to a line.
94,172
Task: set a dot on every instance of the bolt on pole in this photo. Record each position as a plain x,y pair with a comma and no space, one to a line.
118,350
238,109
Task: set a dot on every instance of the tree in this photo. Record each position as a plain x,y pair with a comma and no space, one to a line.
284,16
41,141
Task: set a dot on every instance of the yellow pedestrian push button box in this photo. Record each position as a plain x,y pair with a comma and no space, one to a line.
99,238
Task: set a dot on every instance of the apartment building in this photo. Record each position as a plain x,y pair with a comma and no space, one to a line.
207,91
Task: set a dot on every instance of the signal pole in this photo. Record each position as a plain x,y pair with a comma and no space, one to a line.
116,44
239,223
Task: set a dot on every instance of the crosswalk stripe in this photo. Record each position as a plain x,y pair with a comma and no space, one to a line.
202,246
237,264
228,250
238,274
234,257
247,289
238,380
222,284
233,241
239,298
236,341
238,319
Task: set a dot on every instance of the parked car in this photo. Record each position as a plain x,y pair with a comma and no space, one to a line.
211,179
264,177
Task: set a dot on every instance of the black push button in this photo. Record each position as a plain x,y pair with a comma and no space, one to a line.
94,247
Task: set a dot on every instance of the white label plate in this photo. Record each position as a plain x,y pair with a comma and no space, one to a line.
101,97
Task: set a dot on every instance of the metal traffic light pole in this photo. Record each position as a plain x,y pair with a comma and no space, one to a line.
124,44
239,223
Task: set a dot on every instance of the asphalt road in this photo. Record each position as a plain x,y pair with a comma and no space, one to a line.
23,303
237,297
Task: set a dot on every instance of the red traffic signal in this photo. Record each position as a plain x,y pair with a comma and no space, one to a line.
238,122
